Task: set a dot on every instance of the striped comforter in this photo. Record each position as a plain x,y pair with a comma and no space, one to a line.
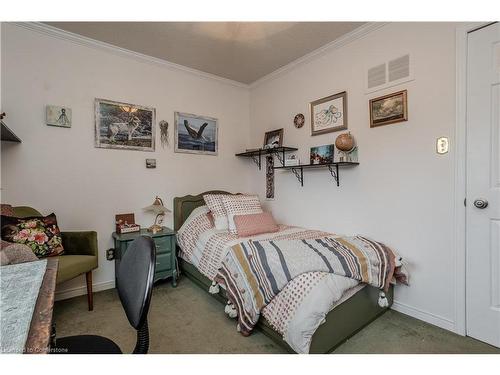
254,272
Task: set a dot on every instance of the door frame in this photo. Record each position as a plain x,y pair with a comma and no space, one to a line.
460,172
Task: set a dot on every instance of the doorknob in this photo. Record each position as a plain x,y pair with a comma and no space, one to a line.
481,203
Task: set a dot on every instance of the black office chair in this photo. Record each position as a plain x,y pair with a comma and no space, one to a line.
135,284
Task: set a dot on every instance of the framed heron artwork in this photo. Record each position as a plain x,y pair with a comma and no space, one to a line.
329,114
195,134
124,126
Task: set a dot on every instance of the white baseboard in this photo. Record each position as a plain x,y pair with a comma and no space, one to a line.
424,315
82,290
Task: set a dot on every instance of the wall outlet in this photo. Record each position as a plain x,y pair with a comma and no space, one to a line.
442,145
110,254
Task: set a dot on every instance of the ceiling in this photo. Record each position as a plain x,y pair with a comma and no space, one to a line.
240,51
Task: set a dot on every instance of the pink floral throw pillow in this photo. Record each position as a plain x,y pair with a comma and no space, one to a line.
253,224
41,234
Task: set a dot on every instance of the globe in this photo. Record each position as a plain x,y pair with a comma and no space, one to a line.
345,142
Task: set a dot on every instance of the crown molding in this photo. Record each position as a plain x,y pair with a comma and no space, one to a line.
55,32
345,39
89,42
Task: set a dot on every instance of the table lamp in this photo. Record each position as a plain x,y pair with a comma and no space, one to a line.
160,210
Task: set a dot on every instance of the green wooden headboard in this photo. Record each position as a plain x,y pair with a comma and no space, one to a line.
183,206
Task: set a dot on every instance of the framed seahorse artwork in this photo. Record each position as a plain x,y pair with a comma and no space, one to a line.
329,114
124,126
58,116
195,134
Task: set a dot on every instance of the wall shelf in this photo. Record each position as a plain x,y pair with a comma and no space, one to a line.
257,154
8,135
298,170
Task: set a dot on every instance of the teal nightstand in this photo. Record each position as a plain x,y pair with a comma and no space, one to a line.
166,258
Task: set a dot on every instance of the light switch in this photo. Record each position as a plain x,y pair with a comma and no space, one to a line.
442,145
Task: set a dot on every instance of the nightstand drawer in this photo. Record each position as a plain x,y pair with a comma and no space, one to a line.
163,262
163,244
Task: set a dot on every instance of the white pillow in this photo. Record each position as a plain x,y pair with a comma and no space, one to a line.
240,205
216,207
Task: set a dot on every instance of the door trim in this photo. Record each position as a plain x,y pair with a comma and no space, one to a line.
460,172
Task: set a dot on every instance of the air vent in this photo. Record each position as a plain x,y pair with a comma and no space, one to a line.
399,68
390,73
376,76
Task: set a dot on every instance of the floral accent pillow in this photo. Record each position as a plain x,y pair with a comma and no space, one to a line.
41,234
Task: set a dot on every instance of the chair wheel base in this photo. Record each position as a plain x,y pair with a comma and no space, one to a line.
85,344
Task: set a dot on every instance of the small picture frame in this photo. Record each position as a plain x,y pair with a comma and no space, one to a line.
150,163
273,138
329,114
389,109
58,116
322,154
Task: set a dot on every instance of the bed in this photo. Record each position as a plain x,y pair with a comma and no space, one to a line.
350,315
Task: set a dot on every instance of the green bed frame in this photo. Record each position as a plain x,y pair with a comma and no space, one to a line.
341,323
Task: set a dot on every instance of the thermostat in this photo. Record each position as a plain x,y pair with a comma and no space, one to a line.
442,145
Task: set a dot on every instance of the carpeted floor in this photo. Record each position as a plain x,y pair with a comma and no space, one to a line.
188,320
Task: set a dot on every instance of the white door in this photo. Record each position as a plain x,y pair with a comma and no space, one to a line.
483,185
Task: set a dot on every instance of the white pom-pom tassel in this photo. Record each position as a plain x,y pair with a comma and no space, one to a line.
399,261
230,310
214,288
238,328
382,300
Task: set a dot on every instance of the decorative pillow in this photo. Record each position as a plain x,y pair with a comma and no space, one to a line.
216,207
4,244
240,205
17,253
41,234
252,224
196,224
7,210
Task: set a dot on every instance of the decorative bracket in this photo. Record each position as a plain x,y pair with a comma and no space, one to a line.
299,175
281,157
334,172
257,160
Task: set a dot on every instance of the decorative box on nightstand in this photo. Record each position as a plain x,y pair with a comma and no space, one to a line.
166,258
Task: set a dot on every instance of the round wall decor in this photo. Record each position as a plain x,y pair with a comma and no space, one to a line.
299,120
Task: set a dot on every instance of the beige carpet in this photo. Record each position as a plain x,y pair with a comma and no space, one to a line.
188,320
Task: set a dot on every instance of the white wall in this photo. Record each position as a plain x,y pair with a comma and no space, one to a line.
1,67
59,170
402,191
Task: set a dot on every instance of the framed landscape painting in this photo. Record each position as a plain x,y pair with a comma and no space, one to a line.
195,134
389,109
124,126
329,114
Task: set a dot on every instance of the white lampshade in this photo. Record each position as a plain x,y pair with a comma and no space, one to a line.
157,207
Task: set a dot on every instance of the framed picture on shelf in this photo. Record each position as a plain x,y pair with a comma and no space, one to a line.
195,134
124,126
322,154
389,109
329,114
273,138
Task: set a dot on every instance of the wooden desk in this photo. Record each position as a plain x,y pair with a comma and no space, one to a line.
27,302
38,340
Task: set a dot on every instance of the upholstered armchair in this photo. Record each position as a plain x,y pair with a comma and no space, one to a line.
80,253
